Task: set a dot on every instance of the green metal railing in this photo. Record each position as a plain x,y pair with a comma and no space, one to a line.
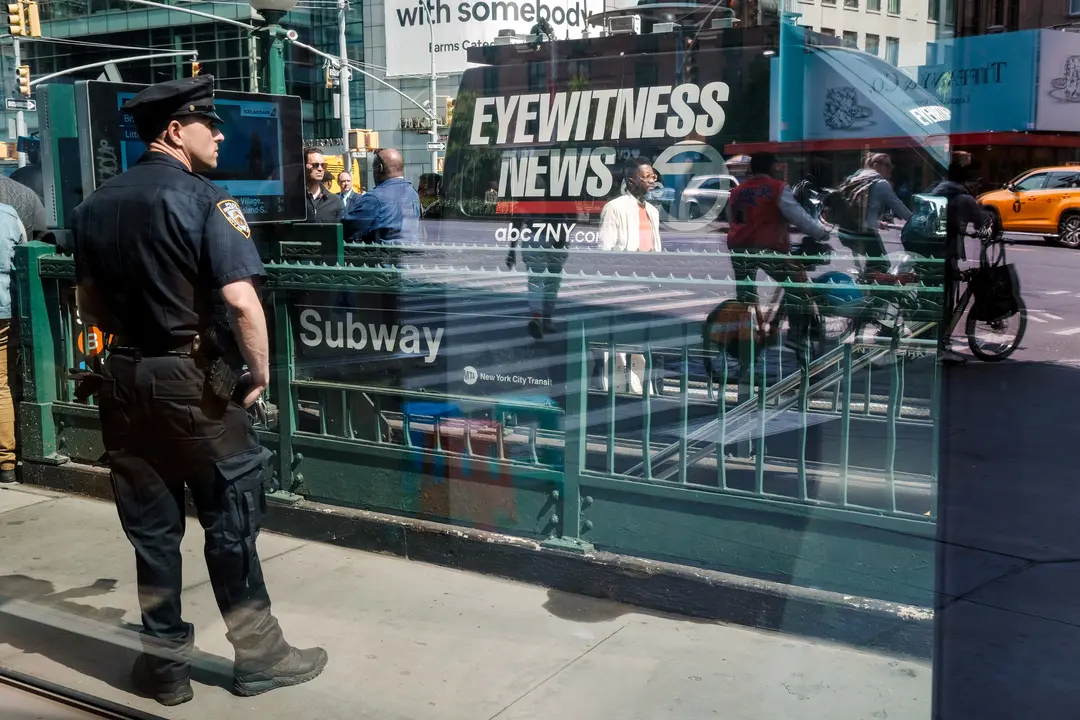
850,441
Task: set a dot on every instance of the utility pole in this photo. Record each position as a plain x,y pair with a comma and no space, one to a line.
23,20
434,98
20,118
343,86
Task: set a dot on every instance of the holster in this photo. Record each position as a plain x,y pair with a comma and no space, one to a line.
222,362
87,383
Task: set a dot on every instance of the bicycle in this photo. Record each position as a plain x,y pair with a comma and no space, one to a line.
847,310
853,309
1017,310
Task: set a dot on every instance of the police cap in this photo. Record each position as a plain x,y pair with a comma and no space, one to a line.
155,106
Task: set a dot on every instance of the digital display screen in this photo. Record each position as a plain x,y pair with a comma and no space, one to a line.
249,159
260,161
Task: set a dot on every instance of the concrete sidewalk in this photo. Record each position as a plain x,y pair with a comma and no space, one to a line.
410,640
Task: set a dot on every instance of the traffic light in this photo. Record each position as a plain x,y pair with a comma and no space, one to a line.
22,75
16,19
196,68
33,19
450,102
363,140
356,140
23,18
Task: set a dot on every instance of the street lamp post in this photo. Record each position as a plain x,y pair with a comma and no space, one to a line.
434,132
274,42
343,86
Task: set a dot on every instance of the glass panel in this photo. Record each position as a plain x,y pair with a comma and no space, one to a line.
892,50
692,321
1032,182
1063,180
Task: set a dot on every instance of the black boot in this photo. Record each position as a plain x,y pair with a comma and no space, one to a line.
536,327
169,693
297,667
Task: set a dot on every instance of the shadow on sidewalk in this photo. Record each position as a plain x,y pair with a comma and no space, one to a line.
1009,557
92,641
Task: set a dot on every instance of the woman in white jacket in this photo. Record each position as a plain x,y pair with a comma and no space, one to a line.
629,223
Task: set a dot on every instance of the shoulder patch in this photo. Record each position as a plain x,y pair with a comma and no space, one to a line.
232,212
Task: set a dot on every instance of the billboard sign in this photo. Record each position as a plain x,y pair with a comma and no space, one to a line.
1058,91
855,94
466,24
985,81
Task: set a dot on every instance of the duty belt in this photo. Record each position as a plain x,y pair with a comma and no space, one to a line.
129,348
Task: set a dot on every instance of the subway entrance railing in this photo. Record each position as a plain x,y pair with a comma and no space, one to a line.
406,383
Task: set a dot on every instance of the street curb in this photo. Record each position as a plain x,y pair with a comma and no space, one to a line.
683,590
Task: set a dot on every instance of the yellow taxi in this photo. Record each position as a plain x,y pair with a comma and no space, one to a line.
1044,201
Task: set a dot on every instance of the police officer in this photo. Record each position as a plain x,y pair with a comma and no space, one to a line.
161,256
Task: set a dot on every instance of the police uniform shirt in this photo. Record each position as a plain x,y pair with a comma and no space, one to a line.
160,241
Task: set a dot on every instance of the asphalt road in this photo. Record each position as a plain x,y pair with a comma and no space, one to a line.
1049,284
1047,274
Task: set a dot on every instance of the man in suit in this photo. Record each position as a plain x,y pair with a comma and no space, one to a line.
348,192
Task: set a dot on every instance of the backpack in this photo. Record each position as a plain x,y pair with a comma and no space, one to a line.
846,206
926,232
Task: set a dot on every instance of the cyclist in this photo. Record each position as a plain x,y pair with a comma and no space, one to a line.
858,206
761,212
962,210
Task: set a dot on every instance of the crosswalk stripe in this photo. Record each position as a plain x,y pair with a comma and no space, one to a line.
1036,318
1070,331
1057,292
1053,317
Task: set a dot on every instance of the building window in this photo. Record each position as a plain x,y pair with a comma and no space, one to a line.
933,11
873,5
950,11
892,50
828,31
873,44
851,39
537,74
1074,7
851,4
894,7
828,2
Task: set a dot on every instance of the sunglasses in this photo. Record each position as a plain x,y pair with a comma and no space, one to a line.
316,165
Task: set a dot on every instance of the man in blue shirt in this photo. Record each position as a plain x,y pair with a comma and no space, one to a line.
390,211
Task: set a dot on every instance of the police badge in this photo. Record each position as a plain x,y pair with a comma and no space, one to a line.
232,212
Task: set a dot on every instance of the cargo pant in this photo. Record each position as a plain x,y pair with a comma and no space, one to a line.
545,269
163,431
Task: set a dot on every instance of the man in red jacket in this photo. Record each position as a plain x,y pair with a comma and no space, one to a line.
761,213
